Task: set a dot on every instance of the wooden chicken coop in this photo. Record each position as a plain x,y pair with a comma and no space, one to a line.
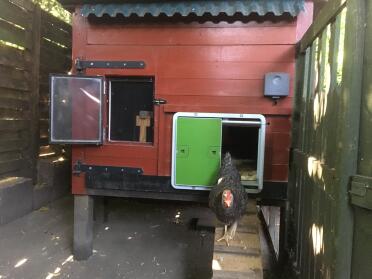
160,90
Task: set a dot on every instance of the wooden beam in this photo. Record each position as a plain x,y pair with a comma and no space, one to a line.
34,94
326,15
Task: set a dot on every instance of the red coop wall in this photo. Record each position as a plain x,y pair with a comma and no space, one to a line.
198,67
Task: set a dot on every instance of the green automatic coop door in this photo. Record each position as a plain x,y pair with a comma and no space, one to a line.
198,140
198,151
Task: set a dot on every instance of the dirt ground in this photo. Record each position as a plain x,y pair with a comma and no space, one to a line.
141,239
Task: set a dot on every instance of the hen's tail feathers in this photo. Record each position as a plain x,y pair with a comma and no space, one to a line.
227,160
228,170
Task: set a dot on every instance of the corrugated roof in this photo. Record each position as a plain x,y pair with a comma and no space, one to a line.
193,7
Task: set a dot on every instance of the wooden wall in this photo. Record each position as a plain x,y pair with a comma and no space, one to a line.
32,45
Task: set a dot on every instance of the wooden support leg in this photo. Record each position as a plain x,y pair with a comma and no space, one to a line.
83,227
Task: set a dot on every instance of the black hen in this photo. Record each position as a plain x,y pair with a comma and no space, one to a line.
228,198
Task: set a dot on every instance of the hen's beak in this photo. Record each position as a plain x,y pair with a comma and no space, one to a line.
227,203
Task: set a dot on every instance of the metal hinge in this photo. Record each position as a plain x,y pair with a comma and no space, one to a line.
159,101
79,167
361,191
81,65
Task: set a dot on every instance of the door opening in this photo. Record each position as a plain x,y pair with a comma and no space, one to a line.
243,143
131,109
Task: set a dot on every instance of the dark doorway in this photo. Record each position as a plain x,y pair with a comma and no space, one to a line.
242,143
131,109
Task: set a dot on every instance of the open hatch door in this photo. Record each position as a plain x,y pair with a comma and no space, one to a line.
200,140
76,109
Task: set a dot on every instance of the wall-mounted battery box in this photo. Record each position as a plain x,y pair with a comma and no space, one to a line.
276,85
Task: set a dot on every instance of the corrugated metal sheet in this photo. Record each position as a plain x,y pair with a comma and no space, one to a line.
198,8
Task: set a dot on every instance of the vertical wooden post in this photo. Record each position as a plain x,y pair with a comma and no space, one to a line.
34,93
83,227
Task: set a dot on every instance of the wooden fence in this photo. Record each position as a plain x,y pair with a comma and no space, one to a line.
32,44
325,141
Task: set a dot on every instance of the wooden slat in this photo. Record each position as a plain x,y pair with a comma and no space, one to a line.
57,23
12,145
15,73
63,68
15,14
13,125
237,53
221,100
24,4
10,56
12,34
14,94
11,103
116,35
11,166
14,79
242,259
50,46
11,155
326,15
210,87
55,34
14,114
14,135
223,70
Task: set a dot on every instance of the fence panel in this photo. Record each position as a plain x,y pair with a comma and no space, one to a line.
32,44
326,128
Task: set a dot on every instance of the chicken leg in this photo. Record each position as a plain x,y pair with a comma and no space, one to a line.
229,233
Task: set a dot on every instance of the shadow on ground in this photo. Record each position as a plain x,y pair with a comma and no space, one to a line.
141,239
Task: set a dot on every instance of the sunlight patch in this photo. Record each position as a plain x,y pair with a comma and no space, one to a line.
20,262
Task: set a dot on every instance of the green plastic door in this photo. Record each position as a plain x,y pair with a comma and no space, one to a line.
198,151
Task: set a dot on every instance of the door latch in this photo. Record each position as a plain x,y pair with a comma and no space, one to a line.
159,102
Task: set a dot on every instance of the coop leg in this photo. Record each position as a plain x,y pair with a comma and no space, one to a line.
83,227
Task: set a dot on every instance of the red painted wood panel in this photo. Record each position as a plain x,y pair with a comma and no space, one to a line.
225,101
209,87
265,110
195,53
117,149
230,53
209,67
165,145
222,70
274,172
110,52
153,36
278,123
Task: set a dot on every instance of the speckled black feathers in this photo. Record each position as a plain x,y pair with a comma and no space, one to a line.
230,180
